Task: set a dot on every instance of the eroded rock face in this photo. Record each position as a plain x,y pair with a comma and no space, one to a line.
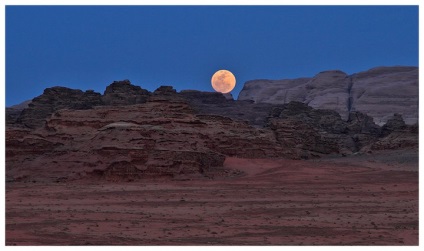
162,137
395,123
204,97
67,134
54,99
124,93
378,92
329,90
314,132
57,98
217,104
383,91
13,112
165,90
395,134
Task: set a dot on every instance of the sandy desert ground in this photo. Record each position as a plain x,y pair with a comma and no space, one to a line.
356,200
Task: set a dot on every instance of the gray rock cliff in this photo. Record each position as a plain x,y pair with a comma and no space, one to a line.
379,92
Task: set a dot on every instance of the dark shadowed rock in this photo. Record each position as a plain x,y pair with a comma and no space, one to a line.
165,90
13,112
54,99
57,98
124,93
363,129
218,104
395,134
362,123
395,123
320,131
326,120
198,97
315,131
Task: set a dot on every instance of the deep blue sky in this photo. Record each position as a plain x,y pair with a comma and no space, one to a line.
88,47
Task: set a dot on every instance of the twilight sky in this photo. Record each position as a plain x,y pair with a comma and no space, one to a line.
88,47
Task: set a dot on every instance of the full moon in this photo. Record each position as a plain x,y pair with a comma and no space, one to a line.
223,81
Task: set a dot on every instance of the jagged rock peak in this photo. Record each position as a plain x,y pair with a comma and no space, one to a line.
122,86
124,93
56,98
395,123
165,90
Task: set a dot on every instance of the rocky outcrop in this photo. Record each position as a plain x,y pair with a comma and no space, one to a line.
395,134
165,90
70,134
313,131
374,92
57,98
13,112
199,97
327,90
395,123
54,99
162,137
363,129
217,104
382,91
273,91
124,93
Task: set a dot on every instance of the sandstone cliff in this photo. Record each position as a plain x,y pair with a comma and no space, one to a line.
56,98
70,134
161,137
379,92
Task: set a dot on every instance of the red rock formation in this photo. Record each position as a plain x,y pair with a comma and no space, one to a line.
171,134
162,137
54,99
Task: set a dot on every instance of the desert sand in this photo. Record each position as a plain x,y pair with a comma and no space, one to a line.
355,200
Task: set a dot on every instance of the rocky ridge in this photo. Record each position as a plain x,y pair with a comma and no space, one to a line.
378,92
55,98
161,137
70,134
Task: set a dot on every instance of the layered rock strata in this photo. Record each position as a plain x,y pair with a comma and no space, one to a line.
70,134
378,92
162,137
57,98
